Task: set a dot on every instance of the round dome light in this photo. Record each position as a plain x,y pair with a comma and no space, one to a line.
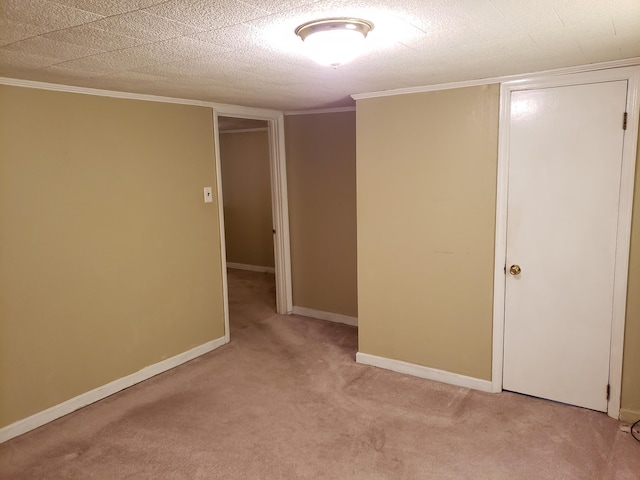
334,41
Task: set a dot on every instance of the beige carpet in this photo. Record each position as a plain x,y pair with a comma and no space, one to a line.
285,400
252,298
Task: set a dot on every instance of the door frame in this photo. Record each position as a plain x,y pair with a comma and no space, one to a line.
279,203
632,75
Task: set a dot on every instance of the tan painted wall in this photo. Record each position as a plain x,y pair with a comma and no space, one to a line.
630,404
109,258
426,168
322,210
246,187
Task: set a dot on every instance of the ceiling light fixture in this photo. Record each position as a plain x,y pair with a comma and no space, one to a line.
334,41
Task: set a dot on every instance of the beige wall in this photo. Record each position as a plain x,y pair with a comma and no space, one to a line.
109,258
426,222
322,210
426,218
246,187
630,405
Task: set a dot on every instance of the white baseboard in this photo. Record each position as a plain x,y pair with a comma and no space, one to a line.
424,372
332,317
64,408
251,268
629,416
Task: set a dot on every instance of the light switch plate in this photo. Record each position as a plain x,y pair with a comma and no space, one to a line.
208,195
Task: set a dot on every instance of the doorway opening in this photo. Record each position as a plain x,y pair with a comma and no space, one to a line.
253,214
248,220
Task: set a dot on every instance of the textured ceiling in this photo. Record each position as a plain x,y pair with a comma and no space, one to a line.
245,52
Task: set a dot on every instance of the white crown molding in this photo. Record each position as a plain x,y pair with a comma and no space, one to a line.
319,111
329,316
627,62
424,372
34,421
259,113
15,82
239,111
220,108
244,130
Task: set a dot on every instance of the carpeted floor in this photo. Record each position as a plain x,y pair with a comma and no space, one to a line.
252,298
285,400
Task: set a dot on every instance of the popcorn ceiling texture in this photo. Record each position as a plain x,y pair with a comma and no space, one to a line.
245,52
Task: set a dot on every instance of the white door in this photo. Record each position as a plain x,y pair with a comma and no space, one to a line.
564,182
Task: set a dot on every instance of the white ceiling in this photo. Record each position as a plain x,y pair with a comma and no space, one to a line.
245,52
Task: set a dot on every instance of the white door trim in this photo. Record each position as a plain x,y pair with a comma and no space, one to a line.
279,201
632,75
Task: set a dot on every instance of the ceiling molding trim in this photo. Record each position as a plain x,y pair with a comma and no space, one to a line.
220,108
239,111
627,62
16,82
320,111
244,130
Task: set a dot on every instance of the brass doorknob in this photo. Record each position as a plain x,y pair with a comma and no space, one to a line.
515,270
